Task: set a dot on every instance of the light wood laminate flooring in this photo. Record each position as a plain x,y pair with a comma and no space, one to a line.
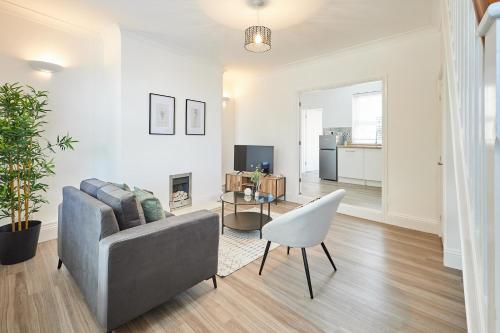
389,279
356,195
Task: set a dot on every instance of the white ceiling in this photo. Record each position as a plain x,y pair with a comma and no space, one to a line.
213,29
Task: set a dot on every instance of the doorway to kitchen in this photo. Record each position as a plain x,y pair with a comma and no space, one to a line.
343,149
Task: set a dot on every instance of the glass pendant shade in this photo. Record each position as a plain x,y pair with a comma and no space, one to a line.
258,39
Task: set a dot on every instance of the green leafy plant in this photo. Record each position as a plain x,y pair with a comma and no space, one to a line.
25,155
256,177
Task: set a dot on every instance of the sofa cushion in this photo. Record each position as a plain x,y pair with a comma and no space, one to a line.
127,209
153,211
91,186
123,186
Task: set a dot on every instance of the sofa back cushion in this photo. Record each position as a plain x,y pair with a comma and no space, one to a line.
91,186
123,186
127,209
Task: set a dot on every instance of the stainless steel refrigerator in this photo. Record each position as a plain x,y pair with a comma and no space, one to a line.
327,157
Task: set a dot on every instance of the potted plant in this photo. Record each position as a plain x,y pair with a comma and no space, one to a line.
25,160
255,179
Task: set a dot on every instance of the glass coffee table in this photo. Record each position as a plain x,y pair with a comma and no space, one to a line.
246,221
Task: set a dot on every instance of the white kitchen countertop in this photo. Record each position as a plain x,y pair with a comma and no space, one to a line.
360,146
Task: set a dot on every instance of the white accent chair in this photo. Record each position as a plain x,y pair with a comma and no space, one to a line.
304,227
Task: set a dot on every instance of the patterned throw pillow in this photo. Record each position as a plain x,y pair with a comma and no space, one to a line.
153,211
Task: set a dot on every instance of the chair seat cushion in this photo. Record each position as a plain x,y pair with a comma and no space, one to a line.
127,209
153,211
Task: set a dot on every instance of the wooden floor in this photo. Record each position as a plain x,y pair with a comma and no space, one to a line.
388,280
357,195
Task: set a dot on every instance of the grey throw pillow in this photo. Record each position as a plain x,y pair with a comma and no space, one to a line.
91,186
126,207
153,211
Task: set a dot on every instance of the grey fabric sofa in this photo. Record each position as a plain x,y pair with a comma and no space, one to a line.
123,274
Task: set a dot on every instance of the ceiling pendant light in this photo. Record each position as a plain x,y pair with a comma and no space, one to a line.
258,37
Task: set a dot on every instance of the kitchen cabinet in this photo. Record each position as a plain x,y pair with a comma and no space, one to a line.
363,166
373,164
351,163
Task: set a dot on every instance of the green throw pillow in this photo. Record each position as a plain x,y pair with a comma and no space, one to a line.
123,186
153,211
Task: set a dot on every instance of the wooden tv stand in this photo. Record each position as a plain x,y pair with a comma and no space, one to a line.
239,181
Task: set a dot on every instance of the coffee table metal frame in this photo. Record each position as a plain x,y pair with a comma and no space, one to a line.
247,221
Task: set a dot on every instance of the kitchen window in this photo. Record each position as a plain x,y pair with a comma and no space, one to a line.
367,118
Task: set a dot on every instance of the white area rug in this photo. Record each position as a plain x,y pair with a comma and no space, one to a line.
239,248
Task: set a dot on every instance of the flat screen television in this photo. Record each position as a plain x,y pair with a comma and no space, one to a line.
248,158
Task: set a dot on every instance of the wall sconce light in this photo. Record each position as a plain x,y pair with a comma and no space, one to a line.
44,66
224,101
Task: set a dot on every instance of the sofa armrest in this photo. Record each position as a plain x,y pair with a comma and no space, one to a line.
144,266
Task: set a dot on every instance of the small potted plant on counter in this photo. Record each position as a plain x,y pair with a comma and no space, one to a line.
256,175
25,160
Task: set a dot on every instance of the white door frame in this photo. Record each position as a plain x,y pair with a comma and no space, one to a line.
303,139
357,211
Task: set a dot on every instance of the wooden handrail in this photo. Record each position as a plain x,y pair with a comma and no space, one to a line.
481,6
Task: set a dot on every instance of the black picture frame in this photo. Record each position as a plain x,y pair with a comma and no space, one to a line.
204,117
173,102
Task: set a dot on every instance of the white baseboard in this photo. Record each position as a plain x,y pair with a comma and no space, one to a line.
452,258
365,182
432,226
351,181
209,205
361,212
48,231
413,222
373,183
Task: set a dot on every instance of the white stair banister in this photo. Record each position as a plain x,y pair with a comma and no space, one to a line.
489,28
473,73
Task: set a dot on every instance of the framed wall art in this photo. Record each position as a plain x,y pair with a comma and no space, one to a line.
195,117
161,114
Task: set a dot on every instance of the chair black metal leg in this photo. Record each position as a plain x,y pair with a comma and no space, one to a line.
328,255
222,219
265,256
214,281
306,267
261,221
288,250
59,264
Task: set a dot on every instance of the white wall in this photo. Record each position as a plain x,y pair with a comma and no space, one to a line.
148,160
101,99
76,96
227,130
451,232
337,103
410,64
